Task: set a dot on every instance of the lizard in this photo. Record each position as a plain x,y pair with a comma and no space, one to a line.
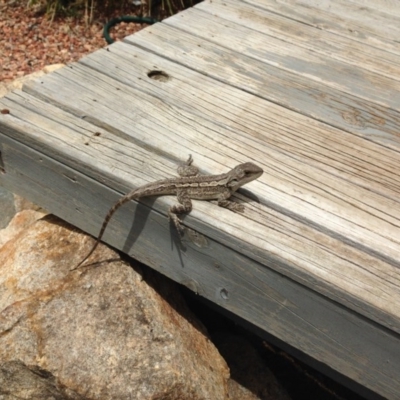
190,185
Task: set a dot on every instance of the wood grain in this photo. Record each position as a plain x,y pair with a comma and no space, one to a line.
231,22
390,7
335,107
315,259
380,32
335,195
303,318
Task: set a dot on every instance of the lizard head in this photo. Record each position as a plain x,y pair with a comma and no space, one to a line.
243,174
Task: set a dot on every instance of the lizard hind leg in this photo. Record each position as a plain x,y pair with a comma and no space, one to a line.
176,220
184,207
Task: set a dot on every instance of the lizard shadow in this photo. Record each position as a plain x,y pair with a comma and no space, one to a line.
141,218
141,215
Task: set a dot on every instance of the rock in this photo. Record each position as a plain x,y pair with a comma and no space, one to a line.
19,223
10,204
18,381
105,330
22,213
21,203
250,378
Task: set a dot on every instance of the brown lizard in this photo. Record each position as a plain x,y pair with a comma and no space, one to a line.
190,185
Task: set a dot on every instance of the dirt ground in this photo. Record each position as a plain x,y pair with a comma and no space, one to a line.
29,40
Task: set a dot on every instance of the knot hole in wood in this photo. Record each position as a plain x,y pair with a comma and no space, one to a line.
158,75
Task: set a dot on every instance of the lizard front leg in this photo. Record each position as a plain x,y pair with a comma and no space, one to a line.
184,207
230,205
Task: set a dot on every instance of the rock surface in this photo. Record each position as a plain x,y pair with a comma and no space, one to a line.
19,382
19,223
103,331
10,204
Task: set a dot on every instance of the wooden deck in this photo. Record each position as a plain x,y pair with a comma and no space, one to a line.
308,90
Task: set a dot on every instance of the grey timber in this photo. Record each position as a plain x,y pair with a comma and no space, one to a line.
308,90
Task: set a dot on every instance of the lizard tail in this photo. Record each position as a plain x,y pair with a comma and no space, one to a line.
110,213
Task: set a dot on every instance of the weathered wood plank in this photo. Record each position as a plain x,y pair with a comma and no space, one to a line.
378,35
387,24
390,7
310,98
350,216
315,262
48,129
40,129
289,33
275,52
267,299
